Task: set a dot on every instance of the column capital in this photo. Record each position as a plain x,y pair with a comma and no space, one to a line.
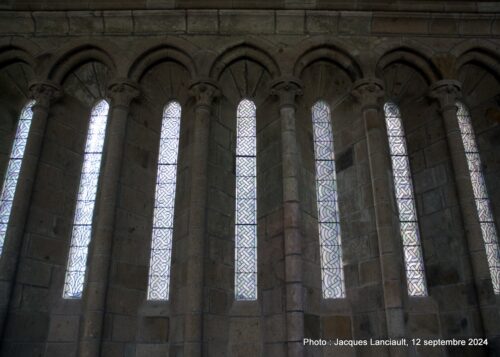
368,92
122,92
45,93
204,91
286,88
446,92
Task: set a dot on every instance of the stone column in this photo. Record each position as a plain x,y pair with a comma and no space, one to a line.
287,89
121,93
369,92
44,93
204,92
446,92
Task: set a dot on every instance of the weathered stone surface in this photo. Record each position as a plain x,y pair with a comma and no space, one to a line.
63,328
153,329
237,49
337,327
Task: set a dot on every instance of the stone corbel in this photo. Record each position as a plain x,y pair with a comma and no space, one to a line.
45,93
204,92
368,92
446,92
287,89
122,92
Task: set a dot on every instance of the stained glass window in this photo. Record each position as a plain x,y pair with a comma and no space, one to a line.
163,217
405,198
13,169
332,269
483,207
82,222
246,203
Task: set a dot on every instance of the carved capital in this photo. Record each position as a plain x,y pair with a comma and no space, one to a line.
204,92
45,93
368,92
286,89
122,92
446,92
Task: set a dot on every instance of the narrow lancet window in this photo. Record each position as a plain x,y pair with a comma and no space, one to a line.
13,169
163,217
481,198
405,198
82,222
246,203
332,269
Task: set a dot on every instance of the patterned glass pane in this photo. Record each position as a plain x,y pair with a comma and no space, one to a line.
82,221
163,218
403,187
332,270
245,278
483,206
13,169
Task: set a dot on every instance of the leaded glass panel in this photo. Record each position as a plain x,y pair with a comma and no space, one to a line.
485,214
163,217
85,202
13,169
245,285
405,198
332,269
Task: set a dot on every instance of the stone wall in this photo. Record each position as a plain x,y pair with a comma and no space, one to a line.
182,55
360,5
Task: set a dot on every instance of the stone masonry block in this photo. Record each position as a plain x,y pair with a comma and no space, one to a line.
35,298
35,273
168,21
369,272
475,26
16,22
290,22
357,24
25,327
129,276
61,349
322,21
154,329
495,27
85,22
152,350
202,21
440,25
123,328
312,326
63,328
400,24
243,329
51,22
46,249
118,22
337,327
236,21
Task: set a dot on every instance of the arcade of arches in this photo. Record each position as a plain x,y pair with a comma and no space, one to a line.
191,139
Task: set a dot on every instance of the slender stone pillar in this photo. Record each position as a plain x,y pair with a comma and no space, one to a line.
369,92
44,93
287,89
204,92
121,93
446,92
